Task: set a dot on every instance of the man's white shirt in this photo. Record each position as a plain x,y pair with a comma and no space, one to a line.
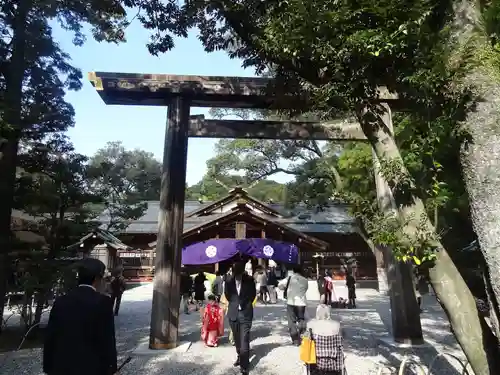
297,289
238,288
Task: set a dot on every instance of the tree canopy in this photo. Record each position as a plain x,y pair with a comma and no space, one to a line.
34,74
334,56
440,57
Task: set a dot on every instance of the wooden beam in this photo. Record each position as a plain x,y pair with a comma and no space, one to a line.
339,130
216,267
240,230
166,288
262,261
203,91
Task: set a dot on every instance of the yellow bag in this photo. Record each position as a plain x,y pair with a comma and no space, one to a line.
254,302
308,350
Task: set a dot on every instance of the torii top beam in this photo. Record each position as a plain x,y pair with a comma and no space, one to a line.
201,91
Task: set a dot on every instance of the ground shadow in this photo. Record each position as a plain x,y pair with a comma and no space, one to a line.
362,331
260,331
260,351
362,338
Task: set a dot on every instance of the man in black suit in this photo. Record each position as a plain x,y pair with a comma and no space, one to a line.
240,292
80,336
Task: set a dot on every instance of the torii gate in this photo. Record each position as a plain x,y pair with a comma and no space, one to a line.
179,94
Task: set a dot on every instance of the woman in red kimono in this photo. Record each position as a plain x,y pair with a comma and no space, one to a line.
212,322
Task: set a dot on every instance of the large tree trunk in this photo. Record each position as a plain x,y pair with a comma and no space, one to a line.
481,169
405,313
481,154
10,130
476,340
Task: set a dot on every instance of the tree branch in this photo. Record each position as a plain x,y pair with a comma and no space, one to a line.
249,34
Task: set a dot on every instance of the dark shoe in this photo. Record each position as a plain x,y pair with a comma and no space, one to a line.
244,372
237,362
296,343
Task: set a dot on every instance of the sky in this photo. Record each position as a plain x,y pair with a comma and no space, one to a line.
137,126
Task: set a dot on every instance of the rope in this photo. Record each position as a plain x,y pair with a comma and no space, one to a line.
4,321
381,369
420,368
406,361
8,354
445,354
26,335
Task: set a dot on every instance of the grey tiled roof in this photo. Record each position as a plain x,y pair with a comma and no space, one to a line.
335,218
153,209
323,227
141,226
105,236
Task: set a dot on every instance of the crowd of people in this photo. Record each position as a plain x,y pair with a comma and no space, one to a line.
80,336
326,288
234,294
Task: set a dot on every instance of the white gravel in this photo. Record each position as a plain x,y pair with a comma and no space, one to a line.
271,352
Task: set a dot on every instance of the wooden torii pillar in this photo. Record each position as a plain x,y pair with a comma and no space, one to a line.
179,93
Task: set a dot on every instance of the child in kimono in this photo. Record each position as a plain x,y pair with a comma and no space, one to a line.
212,322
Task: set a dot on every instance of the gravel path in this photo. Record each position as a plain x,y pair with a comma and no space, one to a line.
271,352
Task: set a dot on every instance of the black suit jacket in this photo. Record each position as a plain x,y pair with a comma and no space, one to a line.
80,336
244,299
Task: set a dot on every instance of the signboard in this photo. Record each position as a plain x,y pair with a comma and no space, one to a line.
308,255
137,255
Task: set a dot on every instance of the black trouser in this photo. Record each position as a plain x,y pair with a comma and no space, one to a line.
352,295
328,296
296,321
263,292
117,300
241,333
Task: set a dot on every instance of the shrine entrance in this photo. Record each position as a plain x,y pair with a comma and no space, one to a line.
179,94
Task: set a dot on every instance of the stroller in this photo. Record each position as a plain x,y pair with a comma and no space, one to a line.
323,355
309,370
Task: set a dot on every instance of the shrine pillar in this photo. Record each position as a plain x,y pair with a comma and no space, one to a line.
261,261
166,283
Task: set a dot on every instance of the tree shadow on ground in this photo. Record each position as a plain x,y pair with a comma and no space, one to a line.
132,328
260,331
361,331
260,351
362,339
159,365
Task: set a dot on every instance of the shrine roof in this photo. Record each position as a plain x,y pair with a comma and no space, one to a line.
243,213
246,214
106,237
237,194
332,219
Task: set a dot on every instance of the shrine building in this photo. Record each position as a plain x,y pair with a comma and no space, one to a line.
324,236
